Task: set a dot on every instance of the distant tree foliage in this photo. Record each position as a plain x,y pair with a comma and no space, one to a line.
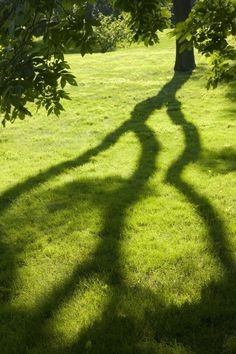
113,31
114,26
35,34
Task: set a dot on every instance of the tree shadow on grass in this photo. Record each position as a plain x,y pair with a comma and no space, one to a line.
206,326
222,161
201,326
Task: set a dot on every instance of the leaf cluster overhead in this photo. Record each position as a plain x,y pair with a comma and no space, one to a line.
33,38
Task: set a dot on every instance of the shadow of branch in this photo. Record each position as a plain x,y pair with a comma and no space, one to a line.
200,326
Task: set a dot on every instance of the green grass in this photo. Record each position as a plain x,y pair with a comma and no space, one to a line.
118,221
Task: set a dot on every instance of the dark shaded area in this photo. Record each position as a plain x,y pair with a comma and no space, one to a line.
222,161
231,94
102,7
203,326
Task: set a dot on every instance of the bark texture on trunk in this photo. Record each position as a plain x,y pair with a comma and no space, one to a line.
184,61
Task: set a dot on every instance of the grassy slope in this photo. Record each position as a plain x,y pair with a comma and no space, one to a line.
118,227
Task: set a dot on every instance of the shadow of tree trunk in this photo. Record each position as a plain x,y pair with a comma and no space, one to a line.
201,326
109,332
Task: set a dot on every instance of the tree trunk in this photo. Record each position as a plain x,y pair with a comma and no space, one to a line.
184,61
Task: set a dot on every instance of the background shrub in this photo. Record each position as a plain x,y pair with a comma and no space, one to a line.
114,31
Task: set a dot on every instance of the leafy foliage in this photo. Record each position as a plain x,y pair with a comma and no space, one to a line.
33,37
211,28
113,31
147,17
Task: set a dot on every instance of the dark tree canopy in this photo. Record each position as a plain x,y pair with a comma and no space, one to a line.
35,34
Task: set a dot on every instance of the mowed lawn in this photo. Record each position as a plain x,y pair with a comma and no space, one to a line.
118,220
